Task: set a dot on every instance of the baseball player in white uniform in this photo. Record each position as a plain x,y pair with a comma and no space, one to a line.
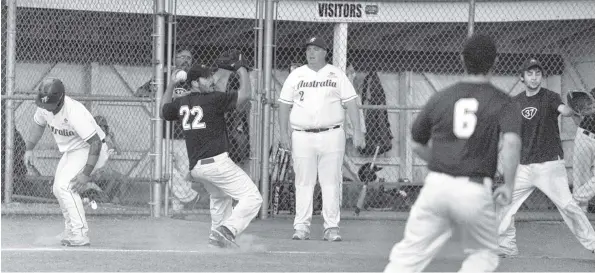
584,161
317,92
81,142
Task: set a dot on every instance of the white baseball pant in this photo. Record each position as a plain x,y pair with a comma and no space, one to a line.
583,168
550,177
225,182
181,188
72,163
445,203
318,153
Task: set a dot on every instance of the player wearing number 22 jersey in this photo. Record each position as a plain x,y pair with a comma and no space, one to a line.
202,115
464,123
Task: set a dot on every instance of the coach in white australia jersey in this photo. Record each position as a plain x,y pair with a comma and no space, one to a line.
312,100
81,142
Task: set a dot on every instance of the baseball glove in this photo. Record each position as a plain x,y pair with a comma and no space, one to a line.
581,102
231,60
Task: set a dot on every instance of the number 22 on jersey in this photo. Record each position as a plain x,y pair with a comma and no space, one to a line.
198,114
464,118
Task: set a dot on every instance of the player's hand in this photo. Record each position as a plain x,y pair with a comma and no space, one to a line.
503,195
358,139
79,183
285,141
28,158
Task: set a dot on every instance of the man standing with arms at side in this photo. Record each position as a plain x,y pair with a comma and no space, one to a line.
202,114
542,161
317,91
182,190
81,142
464,123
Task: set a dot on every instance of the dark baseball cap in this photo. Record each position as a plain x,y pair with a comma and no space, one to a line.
317,41
530,63
200,71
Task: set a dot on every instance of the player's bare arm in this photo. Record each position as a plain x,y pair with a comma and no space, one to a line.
511,156
35,134
565,110
284,109
353,113
81,180
167,96
245,86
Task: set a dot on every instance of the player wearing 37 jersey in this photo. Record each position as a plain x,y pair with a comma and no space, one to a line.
81,142
202,114
542,162
464,123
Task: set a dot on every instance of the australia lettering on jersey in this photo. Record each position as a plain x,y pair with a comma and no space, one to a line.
529,112
327,83
62,132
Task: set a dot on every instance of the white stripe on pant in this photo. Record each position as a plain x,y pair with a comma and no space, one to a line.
445,203
550,177
225,181
70,165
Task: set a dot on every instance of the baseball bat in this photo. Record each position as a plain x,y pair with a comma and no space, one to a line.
362,194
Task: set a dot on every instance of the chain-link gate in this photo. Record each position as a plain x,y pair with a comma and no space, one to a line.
101,54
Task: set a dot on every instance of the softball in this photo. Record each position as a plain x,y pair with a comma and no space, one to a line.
181,75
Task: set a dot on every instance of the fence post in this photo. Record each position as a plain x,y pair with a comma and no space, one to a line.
10,85
256,112
268,70
340,45
471,22
159,36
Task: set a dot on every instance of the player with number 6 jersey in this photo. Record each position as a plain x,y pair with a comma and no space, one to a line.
202,115
464,123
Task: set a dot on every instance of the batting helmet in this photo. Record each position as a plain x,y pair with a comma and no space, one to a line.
50,95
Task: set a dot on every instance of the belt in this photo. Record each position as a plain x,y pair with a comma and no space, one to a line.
206,161
589,134
476,179
318,130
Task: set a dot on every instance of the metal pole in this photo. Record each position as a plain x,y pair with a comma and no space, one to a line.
10,85
159,36
268,70
168,129
471,22
257,111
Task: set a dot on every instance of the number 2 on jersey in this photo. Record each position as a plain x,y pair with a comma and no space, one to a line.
464,118
198,114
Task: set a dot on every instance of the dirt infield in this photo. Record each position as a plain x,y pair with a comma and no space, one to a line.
132,243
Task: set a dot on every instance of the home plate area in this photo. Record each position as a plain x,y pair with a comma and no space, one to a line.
136,243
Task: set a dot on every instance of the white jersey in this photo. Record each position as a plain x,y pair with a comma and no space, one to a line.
71,127
317,97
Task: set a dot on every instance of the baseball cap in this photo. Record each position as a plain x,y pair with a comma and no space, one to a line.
317,41
50,93
529,63
200,71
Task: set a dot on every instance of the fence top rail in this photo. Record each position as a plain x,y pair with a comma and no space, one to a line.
84,98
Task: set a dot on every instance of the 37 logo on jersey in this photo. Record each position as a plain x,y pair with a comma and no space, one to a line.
529,112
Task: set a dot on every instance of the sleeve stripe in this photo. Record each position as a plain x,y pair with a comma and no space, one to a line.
90,136
350,98
37,121
285,101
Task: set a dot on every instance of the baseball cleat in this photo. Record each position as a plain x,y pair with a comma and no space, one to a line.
224,237
75,243
508,254
332,234
301,235
213,242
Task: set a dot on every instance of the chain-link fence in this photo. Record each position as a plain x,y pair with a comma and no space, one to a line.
396,55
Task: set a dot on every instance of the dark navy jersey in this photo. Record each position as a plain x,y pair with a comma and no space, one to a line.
202,117
541,134
464,122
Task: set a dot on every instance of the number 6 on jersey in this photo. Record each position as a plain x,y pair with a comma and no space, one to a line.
198,115
464,118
